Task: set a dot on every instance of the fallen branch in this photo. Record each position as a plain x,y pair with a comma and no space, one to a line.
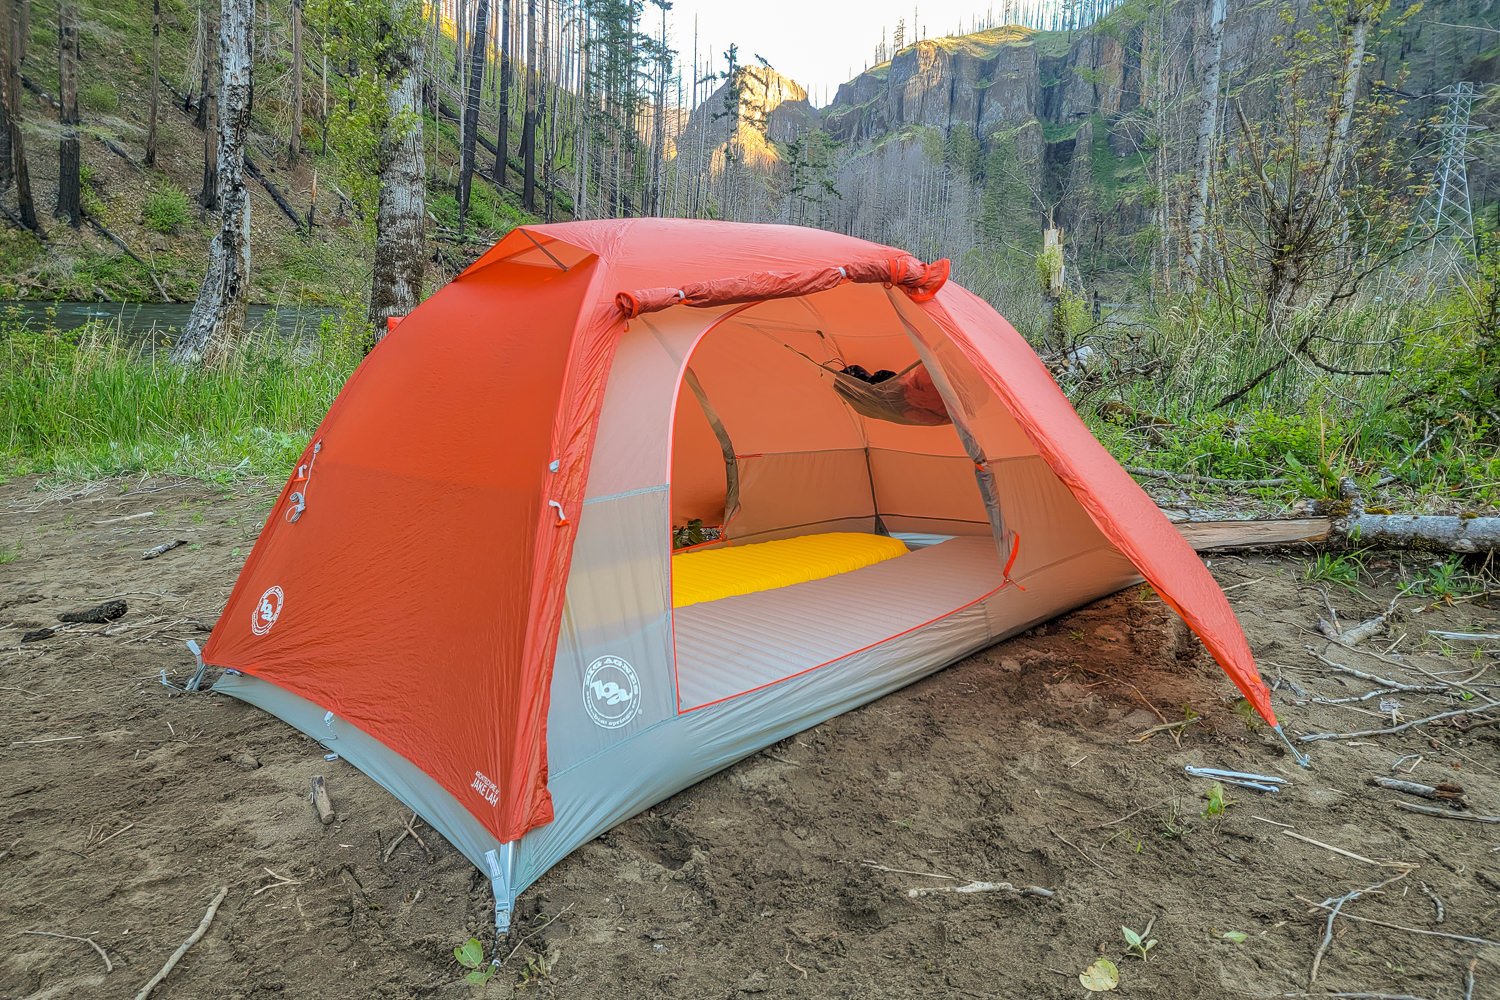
1449,793
1343,853
99,614
157,550
1445,814
1338,904
1409,930
1028,890
1314,737
320,800
275,193
108,965
1193,478
104,230
193,939
1464,636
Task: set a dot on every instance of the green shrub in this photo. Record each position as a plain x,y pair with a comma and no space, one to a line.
99,96
166,210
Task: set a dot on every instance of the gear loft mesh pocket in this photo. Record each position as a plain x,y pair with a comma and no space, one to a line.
907,397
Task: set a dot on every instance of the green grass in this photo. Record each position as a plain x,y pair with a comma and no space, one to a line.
84,404
1425,432
166,210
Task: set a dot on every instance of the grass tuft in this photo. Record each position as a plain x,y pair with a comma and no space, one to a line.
86,403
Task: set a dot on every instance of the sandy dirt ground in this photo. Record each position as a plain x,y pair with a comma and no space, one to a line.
124,809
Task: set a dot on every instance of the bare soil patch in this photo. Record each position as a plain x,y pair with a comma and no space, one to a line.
124,809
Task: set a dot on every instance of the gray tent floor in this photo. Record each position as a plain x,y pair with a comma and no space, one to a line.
738,644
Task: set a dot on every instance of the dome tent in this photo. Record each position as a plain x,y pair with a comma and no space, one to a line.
468,587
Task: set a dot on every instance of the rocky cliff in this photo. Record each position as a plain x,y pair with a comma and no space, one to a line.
1050,121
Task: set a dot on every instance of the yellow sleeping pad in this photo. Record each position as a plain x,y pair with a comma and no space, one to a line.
709,574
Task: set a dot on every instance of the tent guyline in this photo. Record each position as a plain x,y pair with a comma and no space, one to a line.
508,471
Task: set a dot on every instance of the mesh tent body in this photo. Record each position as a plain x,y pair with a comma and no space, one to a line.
465,587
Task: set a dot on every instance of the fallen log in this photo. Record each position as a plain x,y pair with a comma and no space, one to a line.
1422,532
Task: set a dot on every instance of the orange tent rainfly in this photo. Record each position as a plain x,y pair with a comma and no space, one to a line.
629,500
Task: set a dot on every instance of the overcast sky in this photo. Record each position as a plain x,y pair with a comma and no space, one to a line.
818,43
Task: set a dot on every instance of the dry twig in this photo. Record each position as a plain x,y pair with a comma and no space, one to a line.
193,939
1338,904
1445,813
1348,854
108,965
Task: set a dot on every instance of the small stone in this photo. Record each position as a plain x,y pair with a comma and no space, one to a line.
244,760
1009,664
1110,633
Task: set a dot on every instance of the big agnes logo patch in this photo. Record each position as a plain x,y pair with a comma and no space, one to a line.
611,692
267,610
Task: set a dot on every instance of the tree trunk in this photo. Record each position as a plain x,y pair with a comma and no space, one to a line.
69,179
294,146
471,111
155,97
502,137
12,50
400,221
1337,149
218,317
528,127
208,109
1209,60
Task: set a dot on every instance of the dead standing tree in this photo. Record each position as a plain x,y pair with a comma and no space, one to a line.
471,111
218,317
69,168
400,231
12,51
1293,197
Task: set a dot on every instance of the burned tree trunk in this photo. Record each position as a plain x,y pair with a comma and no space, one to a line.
12,50
69,169
528,127
294,145
155,98
400,229
471,112
502,132
218,316
208,197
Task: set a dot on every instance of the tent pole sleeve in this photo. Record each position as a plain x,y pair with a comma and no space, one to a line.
989,492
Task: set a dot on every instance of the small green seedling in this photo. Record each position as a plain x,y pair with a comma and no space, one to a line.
1216,803
1235,937
1139,943
470,955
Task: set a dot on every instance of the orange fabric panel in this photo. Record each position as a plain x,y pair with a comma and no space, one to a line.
401,597
699,480
1116,504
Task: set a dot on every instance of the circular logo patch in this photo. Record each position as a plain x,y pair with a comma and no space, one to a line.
611,692
267,610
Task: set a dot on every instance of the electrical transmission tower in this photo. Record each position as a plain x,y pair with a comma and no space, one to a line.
1445,221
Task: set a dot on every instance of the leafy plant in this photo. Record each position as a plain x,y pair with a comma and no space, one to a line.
1335,567
9,553
1216,802
99,96
470,955
165,210
1234,937
1140,943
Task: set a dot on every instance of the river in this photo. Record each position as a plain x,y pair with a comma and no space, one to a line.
148,322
